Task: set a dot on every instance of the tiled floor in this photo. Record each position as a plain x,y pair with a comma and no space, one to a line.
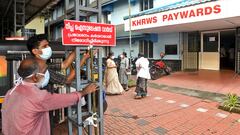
162,112
157,116
223,81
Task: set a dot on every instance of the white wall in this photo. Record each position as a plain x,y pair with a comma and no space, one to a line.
121,10
161,3
163,39
37,24
123,46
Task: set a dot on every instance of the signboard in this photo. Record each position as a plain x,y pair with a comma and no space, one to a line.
79,33
202,12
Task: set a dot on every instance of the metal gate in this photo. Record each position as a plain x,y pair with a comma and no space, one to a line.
237,51
191,47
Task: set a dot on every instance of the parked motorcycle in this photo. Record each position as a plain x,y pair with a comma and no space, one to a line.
159,68
133,66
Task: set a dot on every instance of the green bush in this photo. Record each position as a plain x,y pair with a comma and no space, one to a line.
231,101
131,83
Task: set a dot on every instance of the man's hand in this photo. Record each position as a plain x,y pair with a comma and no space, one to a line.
89,89
87,55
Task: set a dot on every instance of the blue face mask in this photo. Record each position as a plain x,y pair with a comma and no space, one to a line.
46,53
44,81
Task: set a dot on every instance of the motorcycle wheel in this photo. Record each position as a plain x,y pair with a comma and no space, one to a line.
155,73
167,70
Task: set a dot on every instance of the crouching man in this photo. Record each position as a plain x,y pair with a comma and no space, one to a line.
25,109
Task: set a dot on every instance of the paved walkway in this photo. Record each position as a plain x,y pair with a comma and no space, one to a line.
167,113
224,81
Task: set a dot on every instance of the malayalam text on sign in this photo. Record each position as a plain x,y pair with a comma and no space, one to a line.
86,33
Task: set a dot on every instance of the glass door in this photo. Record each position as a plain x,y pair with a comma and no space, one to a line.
209,55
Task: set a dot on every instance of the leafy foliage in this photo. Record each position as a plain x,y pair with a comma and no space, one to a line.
131,83
231,101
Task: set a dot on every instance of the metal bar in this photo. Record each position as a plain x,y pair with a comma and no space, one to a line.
23,19
75,122
89,95
7,28
70,128
77,10
78,77
20,1
100,95
28,3
130,34
93,94
88,9
66,9
8,7
15,17
48,27
100,98
20,13
2,29
27,52
19,26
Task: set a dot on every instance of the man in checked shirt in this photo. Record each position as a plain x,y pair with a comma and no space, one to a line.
39,47
25,108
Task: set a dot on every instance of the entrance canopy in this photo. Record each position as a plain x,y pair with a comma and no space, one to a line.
221,14
33,8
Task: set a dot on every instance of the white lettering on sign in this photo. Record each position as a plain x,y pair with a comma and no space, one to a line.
70,27
107,29
86,33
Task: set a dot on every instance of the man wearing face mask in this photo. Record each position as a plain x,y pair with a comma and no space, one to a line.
38,46
25,109
124,66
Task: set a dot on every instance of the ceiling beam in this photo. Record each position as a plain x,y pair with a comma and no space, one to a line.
8,7
29,2
38,11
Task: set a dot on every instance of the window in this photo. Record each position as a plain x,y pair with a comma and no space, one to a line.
91,1
210,42
171,49
107,17
29,32
193,42
146,4
83,3
146,47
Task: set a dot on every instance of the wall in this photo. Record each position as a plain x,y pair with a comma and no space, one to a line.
123,45
163,39
38,23
161,3
121,10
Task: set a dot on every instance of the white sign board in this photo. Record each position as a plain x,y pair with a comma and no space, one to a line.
202,12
